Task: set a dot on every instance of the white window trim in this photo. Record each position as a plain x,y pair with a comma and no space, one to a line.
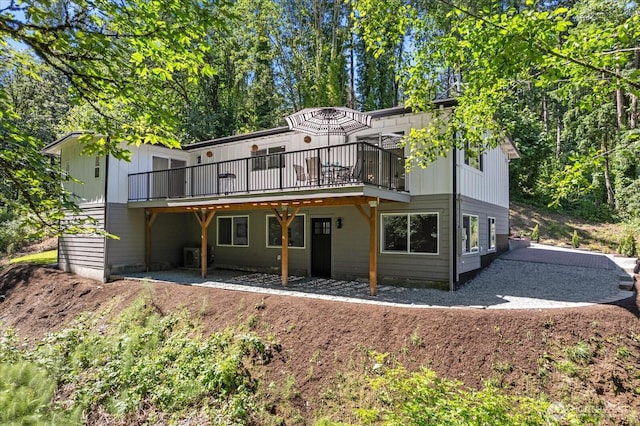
491,248
304,221
409,252
232,231
267,155
464,236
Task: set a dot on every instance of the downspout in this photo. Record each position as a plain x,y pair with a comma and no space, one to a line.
106,273
453,224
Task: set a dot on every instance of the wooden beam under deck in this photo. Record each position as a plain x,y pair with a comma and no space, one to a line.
318,202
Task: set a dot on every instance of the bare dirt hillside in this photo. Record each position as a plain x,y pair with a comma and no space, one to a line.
519,350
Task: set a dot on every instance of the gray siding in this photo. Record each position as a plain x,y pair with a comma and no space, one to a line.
256,256
126,252
169,237
350,244
470,262
84,252
413,268
350,249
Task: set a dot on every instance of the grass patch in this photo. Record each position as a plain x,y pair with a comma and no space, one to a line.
45,257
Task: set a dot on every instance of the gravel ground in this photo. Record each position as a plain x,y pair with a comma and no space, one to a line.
508,283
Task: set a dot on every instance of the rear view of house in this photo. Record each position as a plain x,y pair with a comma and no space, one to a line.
281,201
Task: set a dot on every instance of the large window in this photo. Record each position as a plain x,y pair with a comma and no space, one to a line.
491,228
473,156
410,233
470,233
269,158
296,232
233,231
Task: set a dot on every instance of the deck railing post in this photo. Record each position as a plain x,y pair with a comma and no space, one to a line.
246,172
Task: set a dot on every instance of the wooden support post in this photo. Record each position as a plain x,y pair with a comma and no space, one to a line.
372,220
204,218
285,220
373,248
149,218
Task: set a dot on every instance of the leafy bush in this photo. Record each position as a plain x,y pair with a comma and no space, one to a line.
146,363
10,237
421,398
627,245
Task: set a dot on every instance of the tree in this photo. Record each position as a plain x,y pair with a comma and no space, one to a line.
117,58
492,52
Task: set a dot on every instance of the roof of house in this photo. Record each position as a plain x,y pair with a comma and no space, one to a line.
508,147
49,148
381,113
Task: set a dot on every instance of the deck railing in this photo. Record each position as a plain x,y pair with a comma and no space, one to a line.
330,166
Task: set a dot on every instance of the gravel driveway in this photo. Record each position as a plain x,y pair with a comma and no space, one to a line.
536,277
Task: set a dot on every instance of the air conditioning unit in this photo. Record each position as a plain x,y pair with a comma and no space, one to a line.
191,257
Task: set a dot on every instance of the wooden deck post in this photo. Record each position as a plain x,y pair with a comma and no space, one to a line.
204,218
373,248
285,220
149,218
372,220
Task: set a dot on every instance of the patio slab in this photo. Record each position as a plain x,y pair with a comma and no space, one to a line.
538,278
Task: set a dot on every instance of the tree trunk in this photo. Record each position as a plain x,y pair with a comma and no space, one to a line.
620,107
559,132
396,84
633,98
351,101
611,199
545,113
633,111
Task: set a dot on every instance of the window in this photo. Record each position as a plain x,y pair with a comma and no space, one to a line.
470,233
410,233
491,227
267,158
233,231
473,156
296,232
96,170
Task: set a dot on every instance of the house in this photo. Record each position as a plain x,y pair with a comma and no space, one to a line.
282,201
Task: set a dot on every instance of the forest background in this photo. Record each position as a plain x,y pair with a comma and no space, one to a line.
560,78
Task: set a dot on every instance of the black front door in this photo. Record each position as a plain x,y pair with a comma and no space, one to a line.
321,247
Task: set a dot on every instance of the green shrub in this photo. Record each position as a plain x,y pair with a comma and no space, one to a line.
535,233
422,398
575,240
148,363
26,393
627,245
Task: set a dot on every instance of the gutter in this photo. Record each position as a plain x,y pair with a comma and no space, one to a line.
105,272
453,224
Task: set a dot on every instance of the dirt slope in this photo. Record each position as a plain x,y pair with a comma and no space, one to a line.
516,349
